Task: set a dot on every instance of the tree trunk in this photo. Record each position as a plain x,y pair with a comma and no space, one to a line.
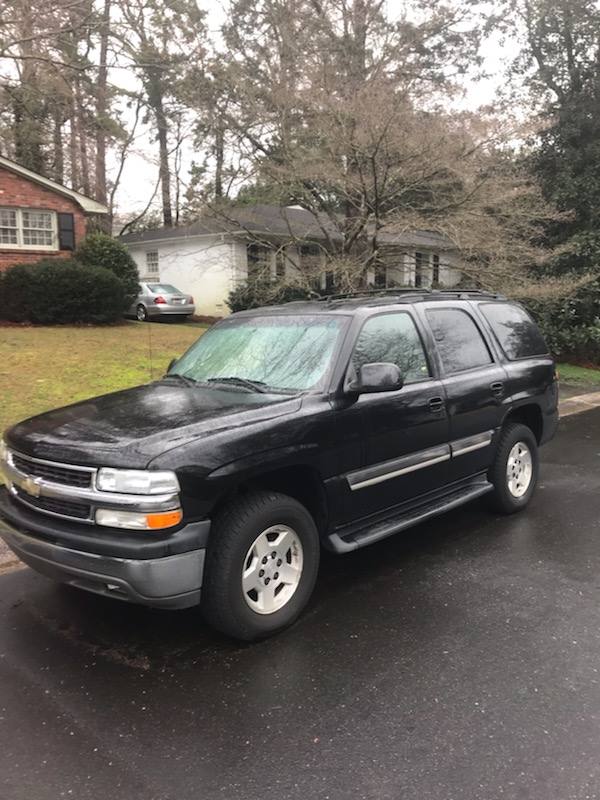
57,145
83,145
155,97
102,107
219,158
73,151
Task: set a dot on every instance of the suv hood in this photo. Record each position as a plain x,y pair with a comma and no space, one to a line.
131,427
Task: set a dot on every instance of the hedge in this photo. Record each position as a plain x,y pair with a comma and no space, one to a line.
61,291
265,293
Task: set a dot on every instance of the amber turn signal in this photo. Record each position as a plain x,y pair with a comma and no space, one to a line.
166,519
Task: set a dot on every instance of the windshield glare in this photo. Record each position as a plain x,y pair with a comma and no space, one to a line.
283,353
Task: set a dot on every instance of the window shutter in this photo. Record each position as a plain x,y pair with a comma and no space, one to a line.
66,231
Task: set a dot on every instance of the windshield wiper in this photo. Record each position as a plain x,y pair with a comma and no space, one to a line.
182,378
255,386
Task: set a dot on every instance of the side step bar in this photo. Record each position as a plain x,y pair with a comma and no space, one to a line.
344,543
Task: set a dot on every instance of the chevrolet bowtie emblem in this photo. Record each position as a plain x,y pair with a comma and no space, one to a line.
31,486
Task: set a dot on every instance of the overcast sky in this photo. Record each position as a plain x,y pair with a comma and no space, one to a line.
141,169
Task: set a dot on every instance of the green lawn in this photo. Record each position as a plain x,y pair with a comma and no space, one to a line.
47,367
579,376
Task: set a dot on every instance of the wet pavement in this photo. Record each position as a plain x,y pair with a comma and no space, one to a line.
459,660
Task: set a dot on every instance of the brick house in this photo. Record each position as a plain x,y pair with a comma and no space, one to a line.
39,217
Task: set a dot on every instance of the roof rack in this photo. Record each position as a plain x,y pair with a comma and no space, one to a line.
463,294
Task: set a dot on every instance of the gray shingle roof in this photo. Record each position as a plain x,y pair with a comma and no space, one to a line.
281,222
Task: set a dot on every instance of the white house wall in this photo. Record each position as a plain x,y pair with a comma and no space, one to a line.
206,267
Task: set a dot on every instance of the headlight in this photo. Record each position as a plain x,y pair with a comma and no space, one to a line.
136,481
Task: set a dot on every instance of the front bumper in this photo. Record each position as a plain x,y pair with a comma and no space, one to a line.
164,572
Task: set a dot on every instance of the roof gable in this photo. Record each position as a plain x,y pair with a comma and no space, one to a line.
86,203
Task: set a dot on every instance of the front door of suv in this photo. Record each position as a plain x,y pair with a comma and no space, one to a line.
404,432
474,383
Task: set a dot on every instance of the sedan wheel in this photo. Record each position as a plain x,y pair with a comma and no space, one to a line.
141,313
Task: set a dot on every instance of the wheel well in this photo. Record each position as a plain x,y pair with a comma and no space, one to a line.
531,416
303,483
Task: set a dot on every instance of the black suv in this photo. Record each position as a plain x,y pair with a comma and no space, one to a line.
331,423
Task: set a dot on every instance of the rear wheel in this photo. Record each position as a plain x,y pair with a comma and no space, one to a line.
141,313
515,470
261,566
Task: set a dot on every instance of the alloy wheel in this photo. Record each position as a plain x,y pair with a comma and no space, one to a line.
272,569
519,469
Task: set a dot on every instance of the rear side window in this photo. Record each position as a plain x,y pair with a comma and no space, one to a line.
517,333
392,338
459,341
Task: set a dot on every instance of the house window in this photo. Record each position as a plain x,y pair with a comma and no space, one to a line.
309,250
8,226
152,262
280,264
419,270
435,277
259,260
38,230
152,271
27,229
380,276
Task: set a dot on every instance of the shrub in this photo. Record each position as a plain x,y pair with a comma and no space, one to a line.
571,325
265,293
58,291
100,250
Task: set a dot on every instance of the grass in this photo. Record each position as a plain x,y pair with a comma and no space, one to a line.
47,367
579,376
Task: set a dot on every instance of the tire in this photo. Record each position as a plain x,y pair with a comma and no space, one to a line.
239,551
141,313
515,470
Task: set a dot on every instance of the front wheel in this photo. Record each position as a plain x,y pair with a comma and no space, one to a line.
261,565
514,472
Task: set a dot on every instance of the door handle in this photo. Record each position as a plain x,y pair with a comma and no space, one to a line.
497,388
435,404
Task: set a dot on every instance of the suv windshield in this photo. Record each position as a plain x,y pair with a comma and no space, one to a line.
280,353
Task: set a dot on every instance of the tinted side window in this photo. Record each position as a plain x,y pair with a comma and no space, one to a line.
460,344
392,338
516,332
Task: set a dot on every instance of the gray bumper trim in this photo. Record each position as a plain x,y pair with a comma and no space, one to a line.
169,582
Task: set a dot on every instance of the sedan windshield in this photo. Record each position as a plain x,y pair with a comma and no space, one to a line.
278,353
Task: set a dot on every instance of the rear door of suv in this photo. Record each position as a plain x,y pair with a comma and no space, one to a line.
474,380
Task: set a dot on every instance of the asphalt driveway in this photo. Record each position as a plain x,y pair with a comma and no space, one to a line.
459,660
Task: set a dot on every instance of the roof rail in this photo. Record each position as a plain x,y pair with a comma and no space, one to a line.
463,294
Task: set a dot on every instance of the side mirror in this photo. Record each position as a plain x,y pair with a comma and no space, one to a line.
172,363
376,377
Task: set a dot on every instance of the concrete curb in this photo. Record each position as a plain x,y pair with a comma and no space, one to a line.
579,403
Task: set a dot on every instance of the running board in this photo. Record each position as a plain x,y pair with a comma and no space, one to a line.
341,543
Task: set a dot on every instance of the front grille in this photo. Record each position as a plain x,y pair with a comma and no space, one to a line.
52,472
65,508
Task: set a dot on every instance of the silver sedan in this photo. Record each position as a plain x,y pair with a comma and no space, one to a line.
161,300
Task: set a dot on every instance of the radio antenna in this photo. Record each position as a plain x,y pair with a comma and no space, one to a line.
150,354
